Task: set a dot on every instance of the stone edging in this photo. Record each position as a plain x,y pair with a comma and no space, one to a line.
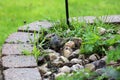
17,66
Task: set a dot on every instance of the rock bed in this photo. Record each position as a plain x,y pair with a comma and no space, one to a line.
65,57
16,66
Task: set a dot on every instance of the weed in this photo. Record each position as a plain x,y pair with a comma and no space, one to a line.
113,54
26,52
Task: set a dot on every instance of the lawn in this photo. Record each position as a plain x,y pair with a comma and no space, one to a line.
13,13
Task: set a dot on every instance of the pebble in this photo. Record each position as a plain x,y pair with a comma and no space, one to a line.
65,69
118,32
53,56
111,48
77,41
74,54
101,30
75,60
49,51
64,59
104,58
67,51
99,64
81,56
47,74
59,74
99,71
57,62
43,69
70,44
94,57
76,67
90,66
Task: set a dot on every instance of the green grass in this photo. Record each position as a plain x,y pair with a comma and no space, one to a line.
13,13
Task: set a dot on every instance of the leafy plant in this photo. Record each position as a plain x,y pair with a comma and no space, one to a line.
36,52
113,55
79,75
26,52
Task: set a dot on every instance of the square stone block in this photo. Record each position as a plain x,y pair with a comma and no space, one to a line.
22,37
22,74
15,61
35,26
16,49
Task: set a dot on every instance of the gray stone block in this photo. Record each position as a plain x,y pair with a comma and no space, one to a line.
35,26
92,19
18,61
22,37
22,74
16,49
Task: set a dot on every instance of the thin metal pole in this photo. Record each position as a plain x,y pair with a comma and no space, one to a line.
67,12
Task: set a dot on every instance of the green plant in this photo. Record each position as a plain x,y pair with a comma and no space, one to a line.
113,55
26,52
79,75
36,52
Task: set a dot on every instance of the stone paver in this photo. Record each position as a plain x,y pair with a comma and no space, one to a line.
22,74
18,61
110,19
16,49
93,19
87,19
21,37
35,26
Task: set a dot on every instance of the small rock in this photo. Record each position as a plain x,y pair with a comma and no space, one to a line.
75,60
64,59
99,71
118,32
81,56
99,64
76,51
49,51
76,67
67,51
74,54
77,41
47,74
41,60
65,69
53,56
45,79
43,69
111,31
112,62
86,61
111,48
94,57
101,30
57,62
71,74
70,44
90,66
59,74
104,58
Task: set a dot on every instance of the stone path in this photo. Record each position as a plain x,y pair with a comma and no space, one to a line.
17,66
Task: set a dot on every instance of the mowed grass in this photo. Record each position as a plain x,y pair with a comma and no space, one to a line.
14,12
